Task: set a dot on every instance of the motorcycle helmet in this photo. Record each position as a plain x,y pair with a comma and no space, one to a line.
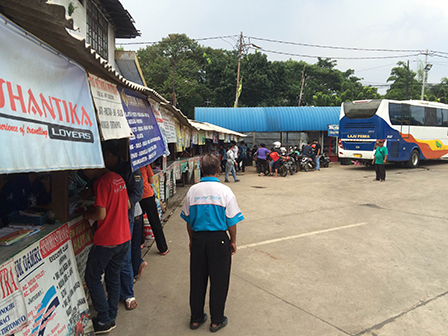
277,144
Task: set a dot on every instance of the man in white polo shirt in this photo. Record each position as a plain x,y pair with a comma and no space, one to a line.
210,210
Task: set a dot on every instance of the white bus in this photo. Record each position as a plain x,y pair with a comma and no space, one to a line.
414,130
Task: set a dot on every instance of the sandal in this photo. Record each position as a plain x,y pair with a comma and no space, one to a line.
164,253
130,303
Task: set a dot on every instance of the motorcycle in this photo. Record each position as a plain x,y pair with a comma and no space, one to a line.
289,164
324,161
307,163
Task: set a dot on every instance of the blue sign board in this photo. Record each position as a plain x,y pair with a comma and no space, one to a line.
146,144
333,131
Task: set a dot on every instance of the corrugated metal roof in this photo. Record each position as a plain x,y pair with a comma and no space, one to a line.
270,119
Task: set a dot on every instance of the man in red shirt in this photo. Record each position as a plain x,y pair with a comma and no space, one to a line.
111,243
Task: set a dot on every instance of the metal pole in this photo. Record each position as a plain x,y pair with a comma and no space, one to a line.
239,68
424,74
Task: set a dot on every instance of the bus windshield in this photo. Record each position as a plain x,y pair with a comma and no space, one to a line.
361,110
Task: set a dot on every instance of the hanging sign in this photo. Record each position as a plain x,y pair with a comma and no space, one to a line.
146,144
113,124
159,119
13,315
45,108
333,130
53,292
170,128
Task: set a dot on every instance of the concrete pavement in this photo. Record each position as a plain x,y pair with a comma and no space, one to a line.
320,253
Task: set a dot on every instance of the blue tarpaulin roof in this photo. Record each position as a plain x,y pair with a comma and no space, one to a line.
270,119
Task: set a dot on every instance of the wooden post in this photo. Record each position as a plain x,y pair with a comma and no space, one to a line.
59,195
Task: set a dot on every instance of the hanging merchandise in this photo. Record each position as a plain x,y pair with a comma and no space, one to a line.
194,137
201,138
146,144
113,123
180,147
45,107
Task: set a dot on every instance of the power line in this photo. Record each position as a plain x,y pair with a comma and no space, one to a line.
199,39
338,57
336,47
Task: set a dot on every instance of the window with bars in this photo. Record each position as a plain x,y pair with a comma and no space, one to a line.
96,29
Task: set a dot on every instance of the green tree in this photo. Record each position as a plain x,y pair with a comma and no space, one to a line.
175,65
397,89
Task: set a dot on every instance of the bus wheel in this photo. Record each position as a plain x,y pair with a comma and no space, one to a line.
414,160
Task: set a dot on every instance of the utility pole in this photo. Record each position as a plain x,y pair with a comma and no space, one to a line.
407,82
240,49
303,83
424,74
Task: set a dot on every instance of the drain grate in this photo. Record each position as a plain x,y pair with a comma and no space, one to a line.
257,187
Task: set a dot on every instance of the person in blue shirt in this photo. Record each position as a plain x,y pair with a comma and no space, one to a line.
210,210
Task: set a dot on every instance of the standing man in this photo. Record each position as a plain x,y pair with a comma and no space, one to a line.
380,158
134,186
236,152
242,156
275,155
261,159
210,210
111,243
317,148
230,163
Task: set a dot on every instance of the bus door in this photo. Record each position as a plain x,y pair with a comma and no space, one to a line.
405,121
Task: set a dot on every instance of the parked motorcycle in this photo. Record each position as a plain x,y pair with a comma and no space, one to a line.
324,161
307,163
290,165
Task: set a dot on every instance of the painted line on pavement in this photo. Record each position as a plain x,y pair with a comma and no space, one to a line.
300,236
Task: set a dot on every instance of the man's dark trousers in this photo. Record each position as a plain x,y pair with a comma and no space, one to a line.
210,257
109,260
149,207
380,170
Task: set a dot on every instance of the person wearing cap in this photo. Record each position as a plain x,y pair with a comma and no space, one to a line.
380,158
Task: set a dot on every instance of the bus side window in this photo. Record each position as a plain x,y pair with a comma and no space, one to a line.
442,117
431,116
406,112
417,115
395,114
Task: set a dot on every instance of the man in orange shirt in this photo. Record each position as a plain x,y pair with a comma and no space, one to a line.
149,206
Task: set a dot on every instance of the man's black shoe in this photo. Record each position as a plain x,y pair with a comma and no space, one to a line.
220,325
102,328
196,326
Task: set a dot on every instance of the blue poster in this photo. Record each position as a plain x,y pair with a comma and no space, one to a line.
146,144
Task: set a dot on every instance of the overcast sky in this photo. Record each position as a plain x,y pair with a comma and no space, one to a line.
380,24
